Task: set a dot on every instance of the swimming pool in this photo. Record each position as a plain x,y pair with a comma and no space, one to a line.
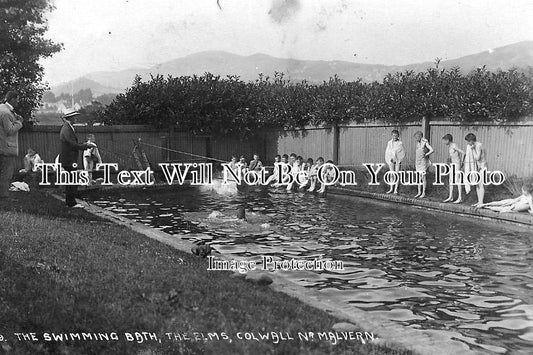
418,268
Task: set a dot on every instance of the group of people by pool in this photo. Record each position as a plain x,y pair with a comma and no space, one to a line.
297,164
471,159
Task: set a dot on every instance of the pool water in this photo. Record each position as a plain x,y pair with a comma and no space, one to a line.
421,269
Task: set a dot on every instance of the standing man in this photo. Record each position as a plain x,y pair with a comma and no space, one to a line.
10,124
69,155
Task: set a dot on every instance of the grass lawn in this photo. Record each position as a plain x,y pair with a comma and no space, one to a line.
67,271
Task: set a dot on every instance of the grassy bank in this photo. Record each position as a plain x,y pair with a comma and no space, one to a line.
67,271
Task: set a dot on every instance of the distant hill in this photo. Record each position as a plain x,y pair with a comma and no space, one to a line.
518,55
85,83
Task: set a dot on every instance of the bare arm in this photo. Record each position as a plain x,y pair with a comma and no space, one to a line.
477,152
430,149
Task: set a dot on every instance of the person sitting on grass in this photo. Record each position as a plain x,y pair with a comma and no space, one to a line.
522,203
422,163
454,160
30,162
394,154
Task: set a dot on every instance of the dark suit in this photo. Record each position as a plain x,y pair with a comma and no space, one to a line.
70,148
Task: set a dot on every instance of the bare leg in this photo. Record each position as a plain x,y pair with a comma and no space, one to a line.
391,168
397,169
450,195
419,188
501,203
460,198
424,183
313,185
480,193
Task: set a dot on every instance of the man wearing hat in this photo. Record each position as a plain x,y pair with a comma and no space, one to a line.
69,154
10,124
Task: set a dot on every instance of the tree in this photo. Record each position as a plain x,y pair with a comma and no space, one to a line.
84,96
22,44
48,96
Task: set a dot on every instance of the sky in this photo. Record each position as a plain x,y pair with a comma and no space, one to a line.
102,35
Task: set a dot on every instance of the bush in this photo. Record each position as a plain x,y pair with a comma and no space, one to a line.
209,104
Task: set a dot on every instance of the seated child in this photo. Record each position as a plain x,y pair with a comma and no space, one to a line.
289,160
329,175
255,163
273,177
522,203
233,164
296,167
242,164
313,173
30,161
307,168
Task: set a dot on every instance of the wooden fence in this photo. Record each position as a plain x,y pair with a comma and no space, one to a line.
509,146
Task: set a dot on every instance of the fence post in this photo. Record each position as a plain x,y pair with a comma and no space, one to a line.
425,128
208,147
336,133
171,137
165,153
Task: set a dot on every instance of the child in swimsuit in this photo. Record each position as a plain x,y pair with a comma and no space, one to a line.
522,203
394,154
329,175
474,160
454,161
255,163
313,173
422,163
307,168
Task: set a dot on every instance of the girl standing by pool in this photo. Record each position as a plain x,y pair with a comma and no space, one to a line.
475,161
394,154
422,163
455,162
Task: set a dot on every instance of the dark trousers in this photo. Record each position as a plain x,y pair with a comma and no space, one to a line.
7,167
70,190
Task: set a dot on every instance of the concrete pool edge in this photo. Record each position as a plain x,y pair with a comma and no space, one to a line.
517,219
389,333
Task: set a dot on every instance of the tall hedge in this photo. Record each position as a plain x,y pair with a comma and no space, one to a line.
210,104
